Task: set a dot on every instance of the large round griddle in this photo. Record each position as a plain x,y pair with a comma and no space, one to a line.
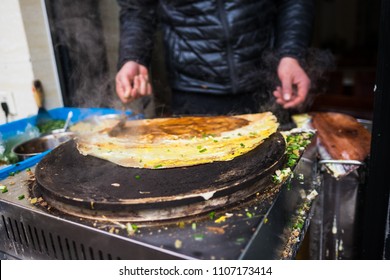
90,187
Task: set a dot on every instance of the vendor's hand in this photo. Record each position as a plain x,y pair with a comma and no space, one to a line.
132,81
295,83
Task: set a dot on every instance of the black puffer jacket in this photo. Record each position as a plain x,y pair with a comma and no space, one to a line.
212,46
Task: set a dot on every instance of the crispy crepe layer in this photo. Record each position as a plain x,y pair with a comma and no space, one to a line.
177,142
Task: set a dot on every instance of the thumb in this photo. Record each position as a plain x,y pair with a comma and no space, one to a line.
287,90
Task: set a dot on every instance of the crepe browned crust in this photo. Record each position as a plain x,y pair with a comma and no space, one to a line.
178,142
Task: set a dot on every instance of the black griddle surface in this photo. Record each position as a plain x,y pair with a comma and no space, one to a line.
66,176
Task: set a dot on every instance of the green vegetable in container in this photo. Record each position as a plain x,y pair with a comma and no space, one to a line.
50,125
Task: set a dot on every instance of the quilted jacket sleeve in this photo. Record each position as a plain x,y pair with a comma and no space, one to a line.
138,21
294,27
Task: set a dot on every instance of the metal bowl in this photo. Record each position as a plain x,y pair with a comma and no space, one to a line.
41,144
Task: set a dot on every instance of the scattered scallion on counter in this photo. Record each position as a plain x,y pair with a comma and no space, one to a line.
3,189
131,228
134,226
280,175
198,237
240,240
20,197
296,143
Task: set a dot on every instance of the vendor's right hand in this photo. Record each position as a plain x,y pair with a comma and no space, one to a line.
132,82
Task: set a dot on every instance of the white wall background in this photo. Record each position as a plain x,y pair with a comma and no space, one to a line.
25,55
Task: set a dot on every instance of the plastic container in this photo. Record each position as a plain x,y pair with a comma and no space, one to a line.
16,132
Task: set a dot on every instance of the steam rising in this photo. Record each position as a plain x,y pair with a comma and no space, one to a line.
262,80
78,38
78,35
316,64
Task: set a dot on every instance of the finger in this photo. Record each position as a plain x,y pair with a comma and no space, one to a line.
287,91
280,101
135,89
278,92
123,88
303,88
143,71
278,97
148,85
297,100
149,89
143,85
300,97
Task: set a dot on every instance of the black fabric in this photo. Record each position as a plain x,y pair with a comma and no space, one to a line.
190,103
214,46
185,103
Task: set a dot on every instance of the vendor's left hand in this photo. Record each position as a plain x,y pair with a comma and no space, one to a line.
295,83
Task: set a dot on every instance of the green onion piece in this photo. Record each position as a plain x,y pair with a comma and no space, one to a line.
198,237
20,197
134,227
240,240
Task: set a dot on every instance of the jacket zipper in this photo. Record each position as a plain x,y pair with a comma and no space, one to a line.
225,25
